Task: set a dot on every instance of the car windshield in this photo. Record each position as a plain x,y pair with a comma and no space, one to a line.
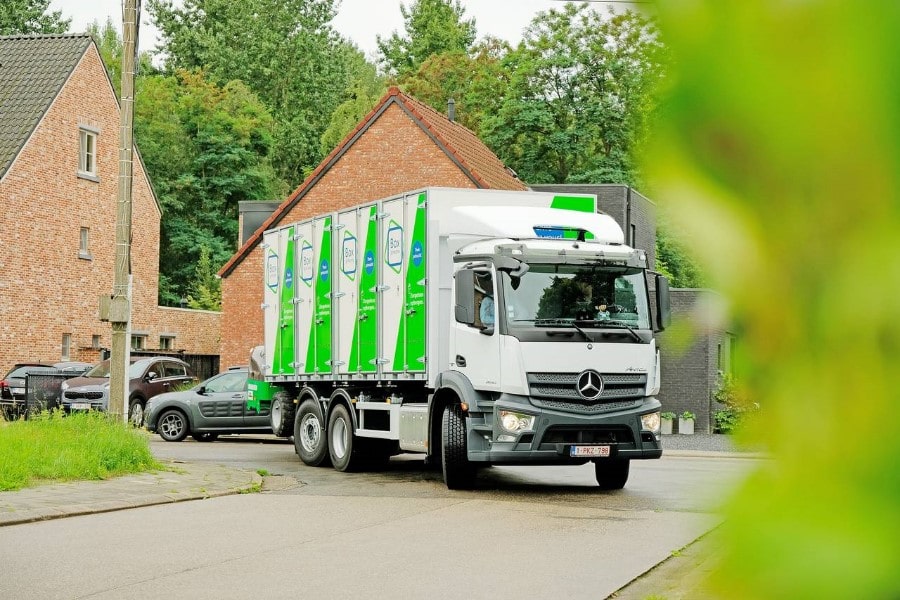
23,371
586,295
100,370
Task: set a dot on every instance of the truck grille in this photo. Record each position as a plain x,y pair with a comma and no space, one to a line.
559,391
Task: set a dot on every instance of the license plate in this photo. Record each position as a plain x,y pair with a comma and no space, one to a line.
81,406
593,451
19,391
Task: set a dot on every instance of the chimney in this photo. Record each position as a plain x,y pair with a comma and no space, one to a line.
451,110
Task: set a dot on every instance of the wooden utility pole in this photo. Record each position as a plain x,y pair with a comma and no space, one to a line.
120,304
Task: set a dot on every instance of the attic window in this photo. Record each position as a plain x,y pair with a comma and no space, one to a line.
87,155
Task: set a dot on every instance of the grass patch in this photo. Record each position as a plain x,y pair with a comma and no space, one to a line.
57,447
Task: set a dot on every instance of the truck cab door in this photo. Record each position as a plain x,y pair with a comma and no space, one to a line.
475,345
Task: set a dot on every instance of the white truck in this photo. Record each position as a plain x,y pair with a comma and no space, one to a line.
476,327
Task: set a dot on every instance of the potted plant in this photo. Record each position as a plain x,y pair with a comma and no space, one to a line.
667,419
686,422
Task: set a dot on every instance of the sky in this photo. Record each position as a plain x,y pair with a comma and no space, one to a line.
359,20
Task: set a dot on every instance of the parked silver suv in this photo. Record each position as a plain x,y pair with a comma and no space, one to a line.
148,376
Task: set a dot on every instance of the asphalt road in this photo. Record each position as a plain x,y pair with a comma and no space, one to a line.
526,532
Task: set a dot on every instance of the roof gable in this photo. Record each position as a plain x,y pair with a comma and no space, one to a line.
461,146
33,70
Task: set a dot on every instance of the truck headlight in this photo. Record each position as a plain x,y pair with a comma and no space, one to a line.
514,422
651,421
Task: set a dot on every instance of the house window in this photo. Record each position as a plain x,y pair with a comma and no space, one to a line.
138,342
633,236
84,243
166,342
95,342
87,156
66,346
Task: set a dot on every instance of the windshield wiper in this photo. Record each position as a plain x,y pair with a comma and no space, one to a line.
618,324
561,323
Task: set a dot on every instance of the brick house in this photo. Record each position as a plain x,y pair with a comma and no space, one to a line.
402,144
59,143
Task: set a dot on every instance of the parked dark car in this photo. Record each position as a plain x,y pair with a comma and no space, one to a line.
216,406
12,386
148,376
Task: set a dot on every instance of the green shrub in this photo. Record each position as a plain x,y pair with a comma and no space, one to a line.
52,446
735,405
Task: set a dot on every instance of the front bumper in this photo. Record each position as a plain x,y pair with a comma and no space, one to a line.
555,432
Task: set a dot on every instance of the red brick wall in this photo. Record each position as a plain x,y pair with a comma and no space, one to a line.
46,290
394,155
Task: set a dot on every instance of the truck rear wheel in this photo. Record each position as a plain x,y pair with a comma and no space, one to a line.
341,441
309,435
281,416
459,473
612,473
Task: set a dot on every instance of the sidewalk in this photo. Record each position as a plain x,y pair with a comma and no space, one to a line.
182,481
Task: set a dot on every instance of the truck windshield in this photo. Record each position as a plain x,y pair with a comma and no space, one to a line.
589,296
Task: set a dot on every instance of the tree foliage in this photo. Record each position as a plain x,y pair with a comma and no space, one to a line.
285,51
779,155
581,97
206,149
365,88
23,17
475,80
431,27
110,45
206,289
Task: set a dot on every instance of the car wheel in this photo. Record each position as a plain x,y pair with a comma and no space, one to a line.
205,437
612,473
282,415
172,425
309,435
459,473
136,413
342,444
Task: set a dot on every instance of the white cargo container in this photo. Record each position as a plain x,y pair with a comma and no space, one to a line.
379,337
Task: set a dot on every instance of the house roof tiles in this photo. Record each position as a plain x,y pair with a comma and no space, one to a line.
33,69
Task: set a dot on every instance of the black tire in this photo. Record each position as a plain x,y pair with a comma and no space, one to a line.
281,416
136,412
342,444
205,437
612,474
459,474
310,440
172,425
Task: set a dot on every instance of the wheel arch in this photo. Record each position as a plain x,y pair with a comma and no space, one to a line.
341,396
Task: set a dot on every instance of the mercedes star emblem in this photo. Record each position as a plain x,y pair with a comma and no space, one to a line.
589,385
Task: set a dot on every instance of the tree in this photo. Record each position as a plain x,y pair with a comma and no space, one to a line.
582,95
206,148
110,45
285,51
23,17
431,27
674,260
477,81
206,289
364,90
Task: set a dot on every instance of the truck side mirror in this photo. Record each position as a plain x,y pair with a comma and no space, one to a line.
663,308
465,297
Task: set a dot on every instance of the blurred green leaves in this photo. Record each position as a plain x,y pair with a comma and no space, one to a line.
779,154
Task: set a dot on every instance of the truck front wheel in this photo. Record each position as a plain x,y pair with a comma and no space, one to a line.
341,440
612,473
459,473
309,435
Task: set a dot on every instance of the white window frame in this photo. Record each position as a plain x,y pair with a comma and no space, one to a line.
87,153
84,243
169,342
66,346
138,341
